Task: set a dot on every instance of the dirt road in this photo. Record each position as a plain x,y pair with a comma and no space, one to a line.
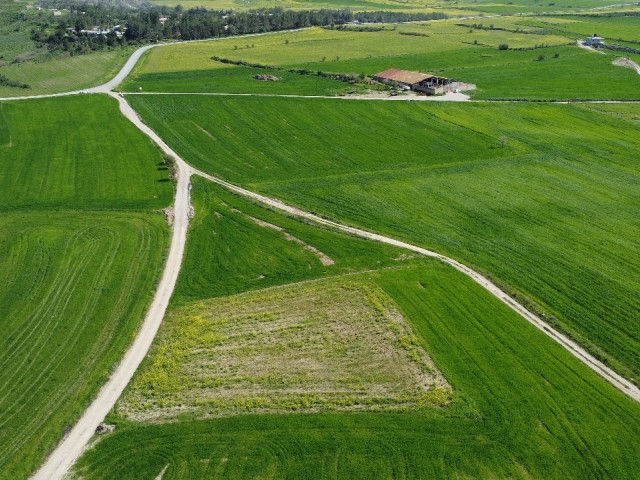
627,63
73,444
612,377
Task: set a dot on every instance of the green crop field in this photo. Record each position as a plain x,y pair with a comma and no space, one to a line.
294,351
551,215
524,408
237,79
564,72
53,157
80,252
244,255
63,74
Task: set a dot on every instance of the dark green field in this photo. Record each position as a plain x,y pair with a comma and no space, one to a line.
525,409
81,248
552,216
77,152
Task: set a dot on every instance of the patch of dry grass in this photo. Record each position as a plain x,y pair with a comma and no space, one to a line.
336,344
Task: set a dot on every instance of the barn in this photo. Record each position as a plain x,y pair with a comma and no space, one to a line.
419,82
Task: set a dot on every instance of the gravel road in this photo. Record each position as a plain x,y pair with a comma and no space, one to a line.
72,446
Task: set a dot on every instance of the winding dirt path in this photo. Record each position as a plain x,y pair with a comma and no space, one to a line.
66,453
72,446
585,357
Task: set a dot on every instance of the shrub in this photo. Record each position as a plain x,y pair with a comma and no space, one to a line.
503,46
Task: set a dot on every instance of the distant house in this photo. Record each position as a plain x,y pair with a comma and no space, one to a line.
416,81
163,20
594,41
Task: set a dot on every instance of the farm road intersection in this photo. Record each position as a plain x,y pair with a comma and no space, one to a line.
72,446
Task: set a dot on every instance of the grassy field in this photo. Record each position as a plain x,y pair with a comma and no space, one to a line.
266,139
311,45
58,161
237,79
612,28
552,216
457,51
63,74
74,288
524,408
245,255
80,252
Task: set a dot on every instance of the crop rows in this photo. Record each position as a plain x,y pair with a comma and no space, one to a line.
80,252
551,215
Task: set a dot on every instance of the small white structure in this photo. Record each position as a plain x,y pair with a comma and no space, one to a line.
594,41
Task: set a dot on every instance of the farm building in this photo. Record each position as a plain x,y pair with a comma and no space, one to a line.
594,41
419,82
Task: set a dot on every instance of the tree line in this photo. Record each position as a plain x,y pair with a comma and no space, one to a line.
119,25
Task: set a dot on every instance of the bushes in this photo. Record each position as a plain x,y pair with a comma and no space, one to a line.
5,82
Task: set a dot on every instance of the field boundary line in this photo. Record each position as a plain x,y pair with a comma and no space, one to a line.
618,381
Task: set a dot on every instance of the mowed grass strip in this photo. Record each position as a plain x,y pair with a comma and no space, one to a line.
524,408
249,247
332,344
77,152
542,197
73,288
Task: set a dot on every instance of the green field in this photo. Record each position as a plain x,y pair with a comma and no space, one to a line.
524,409
81,248
64,74
612,28
243,255
466,54
552,216
53,157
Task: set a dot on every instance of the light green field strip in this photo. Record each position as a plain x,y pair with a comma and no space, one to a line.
311,45
65,73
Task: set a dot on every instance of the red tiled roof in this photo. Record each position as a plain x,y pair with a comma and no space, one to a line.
404,76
